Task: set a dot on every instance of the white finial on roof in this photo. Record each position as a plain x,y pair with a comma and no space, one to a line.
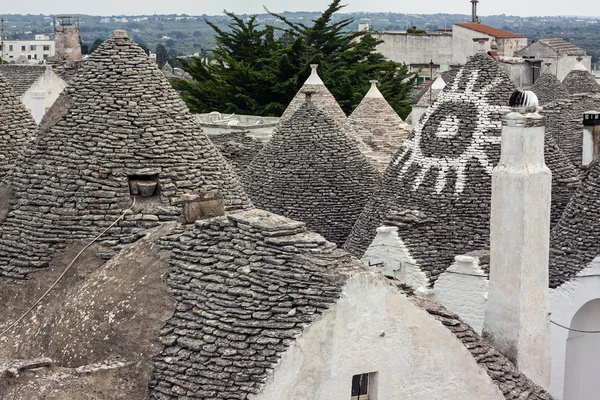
438,84
579,67
314,78
373,91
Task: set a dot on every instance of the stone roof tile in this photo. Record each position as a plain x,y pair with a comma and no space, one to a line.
548,89
118,121
437,189
247,285
379,127
312,172
16,127
580,80
22,77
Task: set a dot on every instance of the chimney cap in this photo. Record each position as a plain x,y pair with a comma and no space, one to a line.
591,118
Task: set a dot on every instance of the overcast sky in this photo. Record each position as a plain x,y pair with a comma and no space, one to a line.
212,7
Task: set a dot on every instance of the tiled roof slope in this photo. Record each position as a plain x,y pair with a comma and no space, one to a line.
16,127
563,47
564,121
21,77
580,80
548,89
488,30
379,127
511,382
437,189
575,240
312,172
246,285
119,118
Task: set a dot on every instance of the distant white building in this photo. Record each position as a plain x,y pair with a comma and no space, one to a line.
34,51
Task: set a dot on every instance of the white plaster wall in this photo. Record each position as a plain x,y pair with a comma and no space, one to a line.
416,49
565,301
463,45
375,328
508,47
565,65
521,74
50,83
389,249
463,290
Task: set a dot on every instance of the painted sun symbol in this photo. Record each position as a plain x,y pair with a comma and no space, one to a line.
458,127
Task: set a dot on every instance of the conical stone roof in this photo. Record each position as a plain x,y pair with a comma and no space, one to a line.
564,122
16,127
323,98
437,189
548,89
575,240
379,127
580,80
118,122
312,172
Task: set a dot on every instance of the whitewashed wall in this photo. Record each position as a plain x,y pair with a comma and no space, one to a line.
415,356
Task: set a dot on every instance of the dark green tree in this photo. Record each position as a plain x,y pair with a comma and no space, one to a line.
255,71
161,54
95,45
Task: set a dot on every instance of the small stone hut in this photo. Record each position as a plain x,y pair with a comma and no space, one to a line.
580,80
120,133
437,189
379,127
312,172
16,128
548,89
267,310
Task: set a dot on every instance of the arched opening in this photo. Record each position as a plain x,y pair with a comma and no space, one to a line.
582,361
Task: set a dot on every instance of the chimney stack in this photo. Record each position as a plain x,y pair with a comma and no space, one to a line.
591,137
474,11
516,318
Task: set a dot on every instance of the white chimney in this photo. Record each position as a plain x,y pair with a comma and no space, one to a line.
517,312
591,137
38,105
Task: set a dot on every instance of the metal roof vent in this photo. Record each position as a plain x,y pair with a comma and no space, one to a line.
523,99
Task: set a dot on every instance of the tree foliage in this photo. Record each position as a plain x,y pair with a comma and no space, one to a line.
95,45
258,69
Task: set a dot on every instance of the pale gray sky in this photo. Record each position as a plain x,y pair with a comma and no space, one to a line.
212,7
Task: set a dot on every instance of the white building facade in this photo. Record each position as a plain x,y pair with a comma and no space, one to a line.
35,51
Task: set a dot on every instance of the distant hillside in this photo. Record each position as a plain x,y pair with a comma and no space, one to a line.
187,34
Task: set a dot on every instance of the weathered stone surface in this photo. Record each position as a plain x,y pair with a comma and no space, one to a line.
379,127
238,148
443,173
574,240
580,80
121,120
21,77
548,89
16,127
312,172
242,299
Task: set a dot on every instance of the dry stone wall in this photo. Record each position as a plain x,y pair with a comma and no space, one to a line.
22,77
122,123
312,172
437,189
246,285
16,128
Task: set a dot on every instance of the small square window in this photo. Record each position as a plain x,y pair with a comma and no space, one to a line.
22,48
364,386
10,47
32,47
46,48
